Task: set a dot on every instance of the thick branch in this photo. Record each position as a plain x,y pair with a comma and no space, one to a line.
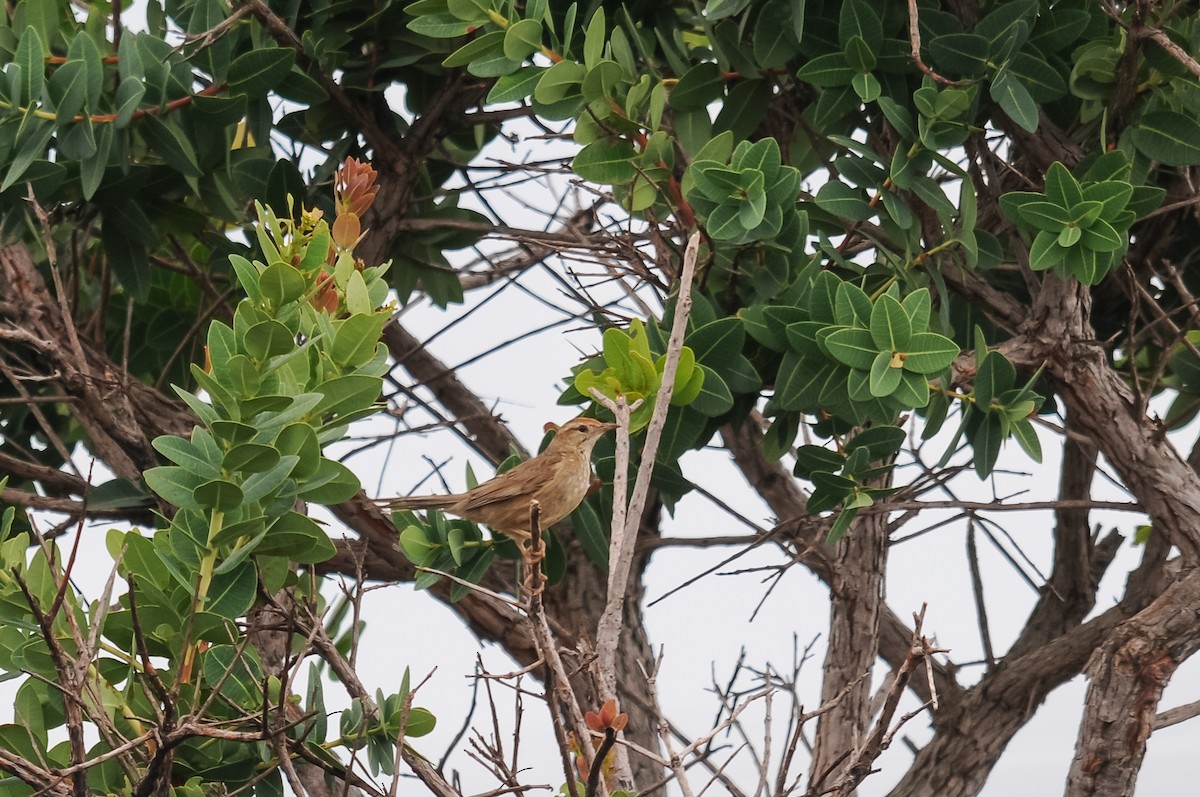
779,489
856,606
1127,676
1147,462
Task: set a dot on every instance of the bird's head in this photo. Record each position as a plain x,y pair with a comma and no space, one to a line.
580,434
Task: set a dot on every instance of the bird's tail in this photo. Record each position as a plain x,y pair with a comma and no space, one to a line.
419,501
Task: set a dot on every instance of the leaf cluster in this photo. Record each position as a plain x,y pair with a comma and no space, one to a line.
1080,227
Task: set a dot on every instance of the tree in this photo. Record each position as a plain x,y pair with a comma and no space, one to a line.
835,229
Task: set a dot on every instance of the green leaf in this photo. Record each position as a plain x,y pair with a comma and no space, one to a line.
557,82
744,108
685,393
929,353
250,458
891,329
843,201
1169,137
859,18
515,86
1086,265
1069,236
827,70
219,495
810,459
841,524
1061,186
717,342
91,170
238,672
928,190
832,483
798,17
852,307
964,53
714,181
594,38
281,283
606,162
481,47
913,391
715,397
29,57
754,205
1145,199
1045,216
347,394
994,376
473,573
724,224
880,442
1015,99
866,86
1045,252
333,483
268,339
299,538
260,70
1113,196
1042,80
441,26
853,347
417,546
67,90
1027,438
187,455
774,44
1101,237
591,534
986,441
918,305
115,494
720,9
169,142
699,86
1006,27
884,378
523,38
175,485
859,56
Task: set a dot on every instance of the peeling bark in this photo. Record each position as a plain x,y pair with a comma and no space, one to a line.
1127,676
856,602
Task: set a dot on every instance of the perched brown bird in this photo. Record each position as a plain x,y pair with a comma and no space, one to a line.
558,479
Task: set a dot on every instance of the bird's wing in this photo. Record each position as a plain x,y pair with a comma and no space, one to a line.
511,484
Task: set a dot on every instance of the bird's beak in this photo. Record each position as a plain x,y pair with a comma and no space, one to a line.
608,427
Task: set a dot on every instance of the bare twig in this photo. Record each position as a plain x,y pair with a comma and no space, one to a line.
882,733
914,36
558,683
664,732
627,519
1174,716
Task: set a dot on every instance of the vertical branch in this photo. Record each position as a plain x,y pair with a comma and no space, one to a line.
558,683
1126,678
664,731
627,519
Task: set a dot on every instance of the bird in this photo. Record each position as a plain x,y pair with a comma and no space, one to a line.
558,479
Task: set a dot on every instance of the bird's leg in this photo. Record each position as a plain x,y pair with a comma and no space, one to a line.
533,554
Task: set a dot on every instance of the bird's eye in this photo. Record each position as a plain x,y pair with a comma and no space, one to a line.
581,428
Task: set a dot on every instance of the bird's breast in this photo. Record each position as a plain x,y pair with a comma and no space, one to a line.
566,490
